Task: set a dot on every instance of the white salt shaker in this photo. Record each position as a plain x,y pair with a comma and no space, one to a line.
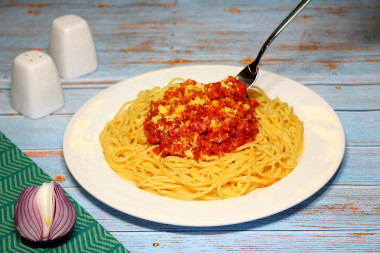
72,47
36,90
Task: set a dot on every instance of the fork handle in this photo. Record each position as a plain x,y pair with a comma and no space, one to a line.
276,32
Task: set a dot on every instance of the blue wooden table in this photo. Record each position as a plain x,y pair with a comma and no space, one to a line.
333,48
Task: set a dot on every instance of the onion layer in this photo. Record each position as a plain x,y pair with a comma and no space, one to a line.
44,213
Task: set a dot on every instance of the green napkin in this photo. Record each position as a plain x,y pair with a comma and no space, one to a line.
18,171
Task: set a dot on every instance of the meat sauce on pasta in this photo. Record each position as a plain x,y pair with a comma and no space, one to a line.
191,141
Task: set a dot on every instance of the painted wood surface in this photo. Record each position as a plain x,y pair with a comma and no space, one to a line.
333,48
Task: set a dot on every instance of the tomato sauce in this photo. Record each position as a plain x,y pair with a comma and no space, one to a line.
197,120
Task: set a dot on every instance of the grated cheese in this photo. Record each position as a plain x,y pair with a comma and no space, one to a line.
246,107
171,117
156,118
189,153
197,101
199,86
162,109
179,109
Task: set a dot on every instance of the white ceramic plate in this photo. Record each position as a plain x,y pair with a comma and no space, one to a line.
324,149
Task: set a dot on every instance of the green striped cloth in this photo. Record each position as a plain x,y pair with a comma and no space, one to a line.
18,171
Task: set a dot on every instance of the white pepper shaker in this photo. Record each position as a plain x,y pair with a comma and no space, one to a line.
72,47
36,90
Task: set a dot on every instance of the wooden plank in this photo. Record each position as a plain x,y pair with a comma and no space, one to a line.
329,68
340,97
312,50
47,133
74,99
354,170
306,65
360,166
361,128
346,97
252,241
306,72
44,133
347,208
167,34
202,13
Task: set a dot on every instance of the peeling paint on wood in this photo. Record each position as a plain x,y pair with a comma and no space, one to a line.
330,67
43,153
31,4
234,11
372,60
59,179
103,5
34,12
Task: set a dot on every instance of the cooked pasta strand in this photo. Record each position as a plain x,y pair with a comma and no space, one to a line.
266,160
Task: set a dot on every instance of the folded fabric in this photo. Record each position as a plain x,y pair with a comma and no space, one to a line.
17,171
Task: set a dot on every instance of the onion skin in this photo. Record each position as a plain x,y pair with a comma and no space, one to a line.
29,220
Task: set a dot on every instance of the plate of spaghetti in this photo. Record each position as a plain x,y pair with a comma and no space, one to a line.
192,146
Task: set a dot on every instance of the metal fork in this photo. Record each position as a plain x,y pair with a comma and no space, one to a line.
249,74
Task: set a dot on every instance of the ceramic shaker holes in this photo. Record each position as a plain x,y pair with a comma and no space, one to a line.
36,90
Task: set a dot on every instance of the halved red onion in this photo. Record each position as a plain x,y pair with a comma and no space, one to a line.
44,213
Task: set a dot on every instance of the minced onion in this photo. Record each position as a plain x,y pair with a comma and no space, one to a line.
44,213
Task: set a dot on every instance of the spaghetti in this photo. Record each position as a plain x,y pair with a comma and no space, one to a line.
259,163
